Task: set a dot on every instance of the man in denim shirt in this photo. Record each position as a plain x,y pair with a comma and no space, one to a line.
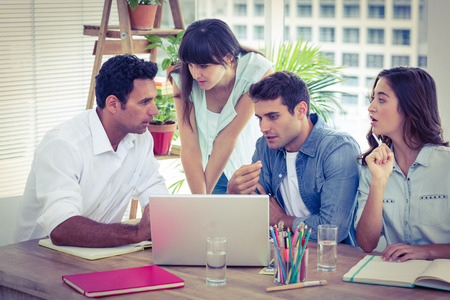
309,170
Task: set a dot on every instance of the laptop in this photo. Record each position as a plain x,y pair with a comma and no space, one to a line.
180,225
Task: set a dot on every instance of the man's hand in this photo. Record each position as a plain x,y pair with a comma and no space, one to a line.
244,180
277,214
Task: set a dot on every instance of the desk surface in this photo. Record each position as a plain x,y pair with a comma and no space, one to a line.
27,268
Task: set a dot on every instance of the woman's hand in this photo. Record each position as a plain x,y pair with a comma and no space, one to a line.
380,162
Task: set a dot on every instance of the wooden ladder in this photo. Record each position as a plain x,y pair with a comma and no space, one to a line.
120,38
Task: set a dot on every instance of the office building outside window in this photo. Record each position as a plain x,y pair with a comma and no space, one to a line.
348,99
240,9
350,81
401,37
350,59
258,32
351,11
327,11
376,12
305,32
287,33
259,8
422,61
402,9
326,34
304,10
329,56
351,35
240,31
400,60
375,61
375,36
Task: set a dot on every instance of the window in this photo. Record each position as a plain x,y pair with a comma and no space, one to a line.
350,81
349,99
376,12
351,11
258,32
327,11
422,61
287,33
402,11
240,31
351,35
287,9
305,32
259,9
401,37
375,36
350,59
369,82
400,60
326,34
304,10
43,81
329,56
375,61
240,9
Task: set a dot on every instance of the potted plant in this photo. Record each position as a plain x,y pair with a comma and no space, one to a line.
171,50
319,75
163,125
142,13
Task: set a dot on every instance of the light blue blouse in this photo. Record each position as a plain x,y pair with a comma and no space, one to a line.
416,208
250,69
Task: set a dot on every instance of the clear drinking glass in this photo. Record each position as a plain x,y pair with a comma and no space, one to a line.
216,261
326,250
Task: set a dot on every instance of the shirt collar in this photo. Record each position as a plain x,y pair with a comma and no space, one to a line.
100,140
311,144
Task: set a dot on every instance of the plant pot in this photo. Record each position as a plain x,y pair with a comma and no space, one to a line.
142,17
162,137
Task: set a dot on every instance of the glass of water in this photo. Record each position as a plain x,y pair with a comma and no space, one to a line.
326,250
216,261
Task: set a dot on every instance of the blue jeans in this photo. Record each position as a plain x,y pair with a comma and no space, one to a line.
221,186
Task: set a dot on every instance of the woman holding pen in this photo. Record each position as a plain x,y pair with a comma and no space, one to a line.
404,186
213,108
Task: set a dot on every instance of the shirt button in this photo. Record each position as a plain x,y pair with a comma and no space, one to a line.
279,175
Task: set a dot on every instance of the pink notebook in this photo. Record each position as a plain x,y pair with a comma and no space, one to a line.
123,281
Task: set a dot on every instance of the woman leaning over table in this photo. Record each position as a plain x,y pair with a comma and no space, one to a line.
404,186
214,110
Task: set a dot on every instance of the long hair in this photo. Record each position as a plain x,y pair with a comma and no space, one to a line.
415,90
206,41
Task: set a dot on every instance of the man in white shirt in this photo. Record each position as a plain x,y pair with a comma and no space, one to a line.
86,170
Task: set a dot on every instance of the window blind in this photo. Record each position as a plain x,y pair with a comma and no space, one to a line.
45,70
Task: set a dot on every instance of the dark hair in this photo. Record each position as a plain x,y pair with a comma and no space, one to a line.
417,102
117,74
289,86
206,41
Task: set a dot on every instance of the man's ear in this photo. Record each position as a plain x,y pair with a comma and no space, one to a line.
112,103
301,109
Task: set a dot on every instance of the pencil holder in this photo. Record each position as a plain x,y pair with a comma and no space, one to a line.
290,270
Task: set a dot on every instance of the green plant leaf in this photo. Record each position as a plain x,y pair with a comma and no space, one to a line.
154,39
151,46
165,63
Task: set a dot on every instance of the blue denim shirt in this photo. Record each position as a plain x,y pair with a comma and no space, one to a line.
328,175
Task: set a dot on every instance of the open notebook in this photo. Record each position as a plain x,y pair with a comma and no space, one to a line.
96,253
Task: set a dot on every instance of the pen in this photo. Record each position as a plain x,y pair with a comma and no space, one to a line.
297,285
377,139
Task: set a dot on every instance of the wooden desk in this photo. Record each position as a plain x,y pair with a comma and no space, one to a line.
29,271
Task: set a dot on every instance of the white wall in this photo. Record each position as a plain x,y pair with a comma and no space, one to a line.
439,56
8,212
